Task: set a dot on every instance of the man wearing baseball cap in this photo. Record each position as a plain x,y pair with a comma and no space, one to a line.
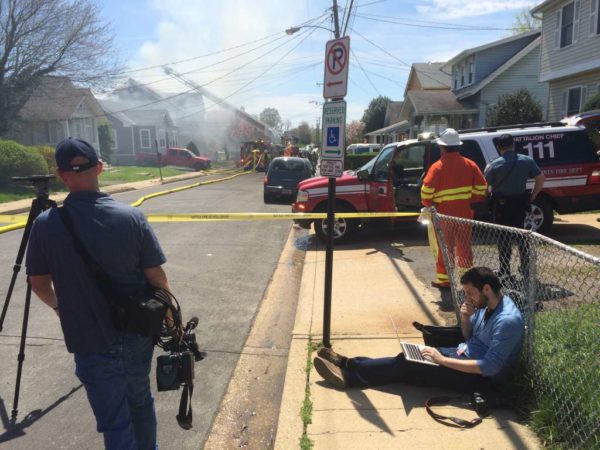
451,184
114,366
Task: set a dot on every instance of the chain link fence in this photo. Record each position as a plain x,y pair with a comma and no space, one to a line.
557,289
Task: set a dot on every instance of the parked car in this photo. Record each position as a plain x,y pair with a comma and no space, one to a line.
567,155
357,149
180,157
283,176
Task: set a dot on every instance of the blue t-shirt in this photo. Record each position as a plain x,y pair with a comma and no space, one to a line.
495,343
504,181
118,237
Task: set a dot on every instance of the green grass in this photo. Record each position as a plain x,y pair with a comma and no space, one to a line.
128,174
567,370
14,193
306,411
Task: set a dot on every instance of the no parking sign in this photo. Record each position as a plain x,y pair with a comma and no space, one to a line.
337,58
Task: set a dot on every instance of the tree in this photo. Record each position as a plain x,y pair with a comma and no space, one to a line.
106,141
354,132
271,117
524,22
50,37
592,103
518,107
304,133
374,115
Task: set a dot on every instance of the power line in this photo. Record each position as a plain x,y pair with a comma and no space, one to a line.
364,72
416,25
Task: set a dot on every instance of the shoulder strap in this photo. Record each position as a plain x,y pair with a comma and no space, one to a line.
103,281
184,418
503,179
456,422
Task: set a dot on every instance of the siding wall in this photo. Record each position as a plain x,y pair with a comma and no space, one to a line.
486,61
586,49
125,152
523,74
591,80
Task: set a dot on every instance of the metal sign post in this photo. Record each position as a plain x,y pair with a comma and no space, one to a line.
335,86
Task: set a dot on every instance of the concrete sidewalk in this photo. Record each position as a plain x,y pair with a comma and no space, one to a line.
374,292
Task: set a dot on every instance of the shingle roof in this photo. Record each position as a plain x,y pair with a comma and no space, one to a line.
430,76
438,102
148,116
56,98
392,113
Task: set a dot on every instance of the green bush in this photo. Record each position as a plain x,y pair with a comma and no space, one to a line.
592,103
352,162
18,160
48,154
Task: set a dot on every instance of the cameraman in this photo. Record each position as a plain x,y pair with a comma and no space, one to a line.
113,366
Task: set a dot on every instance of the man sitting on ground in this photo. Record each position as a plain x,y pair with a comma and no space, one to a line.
491,325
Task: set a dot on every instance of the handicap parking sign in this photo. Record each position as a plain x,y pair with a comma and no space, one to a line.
333,136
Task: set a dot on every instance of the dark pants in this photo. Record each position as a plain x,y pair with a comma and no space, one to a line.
118,389
510,211
368,372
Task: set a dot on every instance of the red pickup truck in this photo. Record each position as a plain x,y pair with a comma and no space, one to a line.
181,157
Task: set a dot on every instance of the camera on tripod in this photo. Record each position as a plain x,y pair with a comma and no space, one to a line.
177,368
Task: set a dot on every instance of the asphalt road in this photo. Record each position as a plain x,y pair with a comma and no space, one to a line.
218,271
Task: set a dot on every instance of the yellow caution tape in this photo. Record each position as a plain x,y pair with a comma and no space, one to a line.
214,217
18,218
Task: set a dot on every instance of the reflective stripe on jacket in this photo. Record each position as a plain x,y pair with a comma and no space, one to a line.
452,184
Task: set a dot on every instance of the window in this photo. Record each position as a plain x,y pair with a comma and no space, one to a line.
471,69
471,150
594,17
462,75
114,136
573,101
564,148
145,138
566,26
382,165
455,76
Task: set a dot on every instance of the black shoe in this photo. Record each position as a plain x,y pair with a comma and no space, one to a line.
334,358
330,373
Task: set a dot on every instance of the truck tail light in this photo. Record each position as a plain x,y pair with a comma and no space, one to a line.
594,177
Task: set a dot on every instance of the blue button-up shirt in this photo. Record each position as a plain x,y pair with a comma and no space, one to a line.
503,180
118,237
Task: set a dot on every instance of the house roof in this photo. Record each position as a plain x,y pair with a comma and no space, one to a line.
543,6
398,126
57,98
438,102
506,40
392,113
149,116
472,90
430,76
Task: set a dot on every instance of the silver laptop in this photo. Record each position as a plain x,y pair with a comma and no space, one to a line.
412,352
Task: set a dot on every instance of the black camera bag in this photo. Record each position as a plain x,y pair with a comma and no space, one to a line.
142,314
436,336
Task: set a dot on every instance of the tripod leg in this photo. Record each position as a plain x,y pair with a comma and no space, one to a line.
21,356
35,210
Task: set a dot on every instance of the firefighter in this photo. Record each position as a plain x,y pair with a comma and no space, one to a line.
452,184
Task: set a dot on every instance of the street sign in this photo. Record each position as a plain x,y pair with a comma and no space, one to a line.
334,133
337,58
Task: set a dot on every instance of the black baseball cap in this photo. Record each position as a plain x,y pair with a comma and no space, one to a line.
69,148
505,140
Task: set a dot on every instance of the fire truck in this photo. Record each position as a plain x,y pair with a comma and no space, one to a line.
391,182
256,155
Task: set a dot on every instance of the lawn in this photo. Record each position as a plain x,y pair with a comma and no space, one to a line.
117,175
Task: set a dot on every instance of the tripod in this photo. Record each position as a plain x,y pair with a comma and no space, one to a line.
38,205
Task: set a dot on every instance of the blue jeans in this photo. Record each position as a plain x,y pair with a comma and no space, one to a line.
367,372
118,389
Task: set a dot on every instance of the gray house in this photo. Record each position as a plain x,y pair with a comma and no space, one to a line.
477,77
58,109
570,53
138,131
393,129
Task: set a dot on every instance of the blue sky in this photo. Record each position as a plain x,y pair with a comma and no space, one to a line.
282,71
